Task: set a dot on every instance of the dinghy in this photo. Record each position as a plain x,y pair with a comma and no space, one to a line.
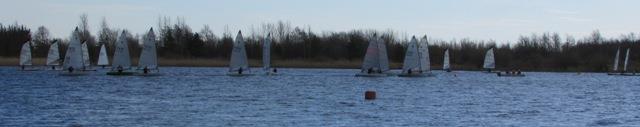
416,60
73,57
614,70
121,60
489,62
53,57
239,65
624,67
148,63
25,58
376,62
445,63
86,62
512,74
103,59
266,57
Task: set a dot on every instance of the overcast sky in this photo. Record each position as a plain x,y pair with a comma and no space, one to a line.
501,20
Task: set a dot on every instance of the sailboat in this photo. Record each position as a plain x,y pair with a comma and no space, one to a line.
86,62
626,63
445,63
73,57
416,60
121,60
614,70
103,59
148,58
239,65
489,61
376,62
53,57
25,58
266,57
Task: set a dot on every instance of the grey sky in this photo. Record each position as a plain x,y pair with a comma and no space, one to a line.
501,20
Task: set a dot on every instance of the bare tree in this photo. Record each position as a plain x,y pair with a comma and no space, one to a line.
41,37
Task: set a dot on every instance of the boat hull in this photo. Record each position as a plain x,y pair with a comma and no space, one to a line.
120,73
238,75
372,75
510,75
416,75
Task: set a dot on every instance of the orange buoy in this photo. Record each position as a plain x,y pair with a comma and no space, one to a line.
370,95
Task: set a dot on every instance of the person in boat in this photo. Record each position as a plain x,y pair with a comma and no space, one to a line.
370,70
240,71
70,69
53,67
22,67
120,69
275,70
518,72
145,70
409,71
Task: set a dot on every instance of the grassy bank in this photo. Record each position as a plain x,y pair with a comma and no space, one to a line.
4,61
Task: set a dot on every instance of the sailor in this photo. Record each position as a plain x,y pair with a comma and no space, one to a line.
409,71
53,67
22,67
240,71
370,70
145,70
120,69
275,70
70,69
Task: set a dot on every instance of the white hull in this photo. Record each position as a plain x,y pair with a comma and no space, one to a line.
29,68
372,75
416,75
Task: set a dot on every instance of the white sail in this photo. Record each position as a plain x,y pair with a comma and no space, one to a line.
148,57
423,49
376,56
615,61
445,63
266,53
489,61
73,56
85,55
382,54
371,56
103,59
121,56
626,60
25,55
411,57
53,57
238,55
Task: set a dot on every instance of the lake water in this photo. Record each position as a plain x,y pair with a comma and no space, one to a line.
192,96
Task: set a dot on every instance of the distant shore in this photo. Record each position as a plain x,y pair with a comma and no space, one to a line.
202,62
217,62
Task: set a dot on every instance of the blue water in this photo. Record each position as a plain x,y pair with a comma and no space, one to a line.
316,97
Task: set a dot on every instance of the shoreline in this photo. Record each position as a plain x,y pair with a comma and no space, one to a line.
257,63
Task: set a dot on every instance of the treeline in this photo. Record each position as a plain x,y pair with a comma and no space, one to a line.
540,52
